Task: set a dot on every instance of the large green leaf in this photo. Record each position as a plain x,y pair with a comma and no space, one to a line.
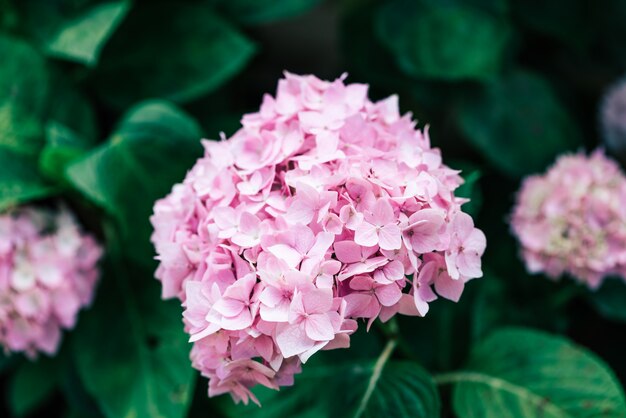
32,384
518,124
448,42
130,348
151,149
263,11
70,130
530,374
73,30
355,389
23,92
176,51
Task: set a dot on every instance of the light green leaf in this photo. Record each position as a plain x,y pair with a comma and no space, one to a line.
450,42
264,11
32,384
130,349
175,53
518,124
530,374
75,31
151,149
23,92
355,389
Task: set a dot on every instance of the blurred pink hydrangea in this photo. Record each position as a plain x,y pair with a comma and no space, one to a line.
48,271
323,208
573,219
613,118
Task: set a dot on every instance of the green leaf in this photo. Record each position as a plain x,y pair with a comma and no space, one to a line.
32,384
130,349
264,11
525,373
76,31
610,299
176,53
445,42
23,93
354,389
151,149
62,147
518,124
20,180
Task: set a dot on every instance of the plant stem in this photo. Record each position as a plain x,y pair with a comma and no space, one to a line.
378,369
391,330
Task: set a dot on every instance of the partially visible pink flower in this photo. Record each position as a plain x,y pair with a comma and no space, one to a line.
48,272
572,220
324,208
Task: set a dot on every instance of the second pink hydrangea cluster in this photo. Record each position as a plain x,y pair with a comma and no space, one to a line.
573,219
323,208
48,271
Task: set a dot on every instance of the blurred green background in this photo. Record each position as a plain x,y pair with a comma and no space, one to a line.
102,104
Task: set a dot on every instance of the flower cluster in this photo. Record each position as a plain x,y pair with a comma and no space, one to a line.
323,208
47,273
573,219
613,118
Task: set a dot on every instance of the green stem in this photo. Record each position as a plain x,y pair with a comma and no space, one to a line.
391,331
378,369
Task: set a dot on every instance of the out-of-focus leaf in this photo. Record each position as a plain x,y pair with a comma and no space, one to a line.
20,180
32,384
176,51
444,42
62,147
70,129
72,30
23,91
610,299
530,374
518,124
402,390
151,149
264,11
130,348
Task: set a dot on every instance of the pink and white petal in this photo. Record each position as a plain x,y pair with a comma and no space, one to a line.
318,327
389,237
366,235
292,339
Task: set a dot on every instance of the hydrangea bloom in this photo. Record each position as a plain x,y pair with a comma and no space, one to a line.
573,219
323,208
47,274
613,118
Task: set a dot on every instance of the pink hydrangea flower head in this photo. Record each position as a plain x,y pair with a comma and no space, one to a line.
572,219
613,118
48,271
324,208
